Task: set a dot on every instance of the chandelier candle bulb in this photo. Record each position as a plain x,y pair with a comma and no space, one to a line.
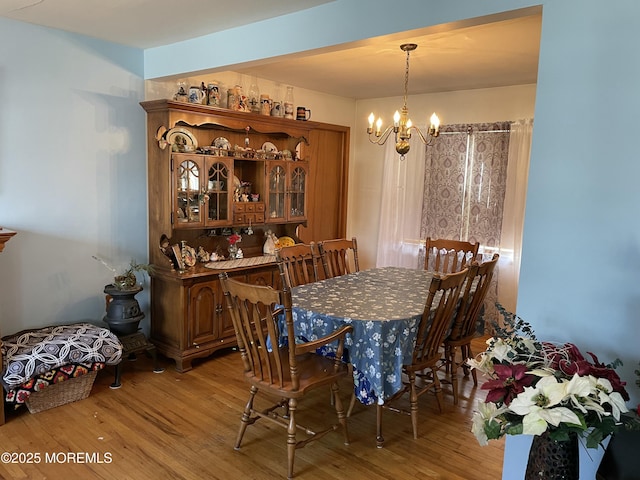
435,124
378,126
396,118
372,119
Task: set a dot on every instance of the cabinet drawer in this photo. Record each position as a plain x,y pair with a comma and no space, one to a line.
246,218
248,207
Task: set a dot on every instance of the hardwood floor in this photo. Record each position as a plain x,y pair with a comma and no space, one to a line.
182,426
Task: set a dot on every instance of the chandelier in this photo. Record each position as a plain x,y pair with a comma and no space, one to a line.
402,125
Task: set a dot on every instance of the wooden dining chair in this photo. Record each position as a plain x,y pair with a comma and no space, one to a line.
339,257
437,318
298,264
447,256
464,327
286,372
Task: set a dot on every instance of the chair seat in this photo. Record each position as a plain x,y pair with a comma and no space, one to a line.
315,371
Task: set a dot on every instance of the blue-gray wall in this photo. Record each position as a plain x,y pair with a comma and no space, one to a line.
72,172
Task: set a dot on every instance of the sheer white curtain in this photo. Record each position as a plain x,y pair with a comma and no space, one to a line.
513,214
401,210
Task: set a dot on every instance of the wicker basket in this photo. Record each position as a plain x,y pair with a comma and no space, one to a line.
71,390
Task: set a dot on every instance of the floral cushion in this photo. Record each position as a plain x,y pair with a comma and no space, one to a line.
31,353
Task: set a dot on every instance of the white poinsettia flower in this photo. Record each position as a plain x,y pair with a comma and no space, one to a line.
538,419
485,413
533,423
556,415
545,394
578,386
578,390
589,403
528,344
538,406
482,363
477,428
618,405
605,394
501,350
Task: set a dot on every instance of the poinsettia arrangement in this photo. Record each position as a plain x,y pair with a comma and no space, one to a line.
535,387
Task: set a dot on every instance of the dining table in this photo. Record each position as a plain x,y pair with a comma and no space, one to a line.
383,305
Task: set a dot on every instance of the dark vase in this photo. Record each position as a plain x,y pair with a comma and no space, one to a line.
553,460
123,311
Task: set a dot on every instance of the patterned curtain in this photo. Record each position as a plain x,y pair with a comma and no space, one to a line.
464,189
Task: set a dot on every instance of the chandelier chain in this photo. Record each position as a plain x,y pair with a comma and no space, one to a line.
406,80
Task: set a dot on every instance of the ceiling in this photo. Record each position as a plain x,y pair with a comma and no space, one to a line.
448,58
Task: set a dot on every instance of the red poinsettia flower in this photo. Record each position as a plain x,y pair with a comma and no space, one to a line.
510,382
233,239
600,370
570,361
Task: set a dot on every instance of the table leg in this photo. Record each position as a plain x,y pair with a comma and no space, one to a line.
379,437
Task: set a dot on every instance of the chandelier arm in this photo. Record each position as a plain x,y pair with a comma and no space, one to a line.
428,140
380,140
422,137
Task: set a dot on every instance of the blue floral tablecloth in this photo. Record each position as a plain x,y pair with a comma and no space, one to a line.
383,305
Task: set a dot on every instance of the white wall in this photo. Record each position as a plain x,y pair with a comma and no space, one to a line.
72,172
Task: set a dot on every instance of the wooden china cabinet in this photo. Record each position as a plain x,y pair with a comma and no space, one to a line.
233,171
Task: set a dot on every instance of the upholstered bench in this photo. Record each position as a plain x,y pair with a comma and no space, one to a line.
47,367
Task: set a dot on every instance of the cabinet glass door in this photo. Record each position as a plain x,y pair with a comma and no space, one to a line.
297,192
217,193
276,208
188,185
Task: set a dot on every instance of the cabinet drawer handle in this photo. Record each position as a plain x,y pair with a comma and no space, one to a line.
219,309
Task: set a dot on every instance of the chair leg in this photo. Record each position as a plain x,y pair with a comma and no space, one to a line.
473,371
246,417
437,389
413,401
454,373
291,436
466,353
447,357
342,418
352,403
379,437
